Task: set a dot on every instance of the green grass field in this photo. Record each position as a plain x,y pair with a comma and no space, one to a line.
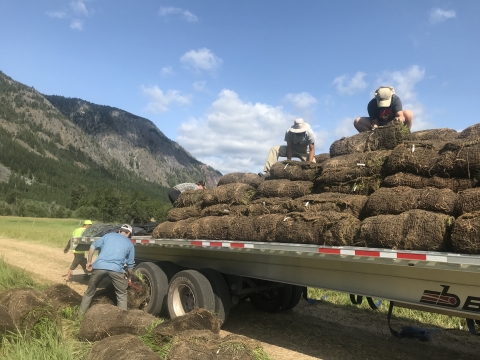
53,232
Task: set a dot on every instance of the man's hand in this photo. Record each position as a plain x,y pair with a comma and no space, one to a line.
400,119
374,126
89,266
65,251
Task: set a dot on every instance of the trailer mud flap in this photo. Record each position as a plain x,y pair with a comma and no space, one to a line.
471,326
410,331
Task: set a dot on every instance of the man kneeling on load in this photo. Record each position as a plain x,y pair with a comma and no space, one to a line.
300,140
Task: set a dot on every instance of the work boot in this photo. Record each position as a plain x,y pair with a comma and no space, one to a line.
265,174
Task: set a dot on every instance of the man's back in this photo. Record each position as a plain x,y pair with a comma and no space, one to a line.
116,250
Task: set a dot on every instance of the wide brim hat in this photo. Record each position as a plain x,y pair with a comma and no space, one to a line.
299,126
384,96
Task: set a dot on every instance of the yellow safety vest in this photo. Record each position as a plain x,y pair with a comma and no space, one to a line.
76,234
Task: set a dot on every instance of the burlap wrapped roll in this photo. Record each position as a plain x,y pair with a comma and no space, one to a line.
244,178
468,201
420,182
443,134
358,186
182,213
400,199
457,158
172,230
350,167
224,209
465,234
320,158
323,228
233,194
295,170
284,188
190,198
470,133
411,230
264,206
242,229
209,228
382,138
352,204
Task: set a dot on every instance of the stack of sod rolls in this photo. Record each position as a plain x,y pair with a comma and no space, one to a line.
387,188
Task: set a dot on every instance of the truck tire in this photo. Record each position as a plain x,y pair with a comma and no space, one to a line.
220,292
273,300
189,289
170,269
297,292
157,281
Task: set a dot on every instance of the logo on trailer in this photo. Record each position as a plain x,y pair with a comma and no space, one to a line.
445,299
440,298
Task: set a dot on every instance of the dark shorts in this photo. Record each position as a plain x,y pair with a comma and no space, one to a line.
79,259
173,196
384,122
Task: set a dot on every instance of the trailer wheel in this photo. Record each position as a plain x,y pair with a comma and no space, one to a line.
221,293
188,290
297,292
157,282
273,300
170,269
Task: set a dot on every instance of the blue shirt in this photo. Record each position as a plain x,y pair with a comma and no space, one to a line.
116,250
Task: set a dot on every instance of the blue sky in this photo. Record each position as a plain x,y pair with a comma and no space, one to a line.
225,79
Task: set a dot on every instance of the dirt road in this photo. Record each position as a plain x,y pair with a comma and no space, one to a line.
320,331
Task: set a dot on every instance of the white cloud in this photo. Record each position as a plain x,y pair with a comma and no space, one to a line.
159,101
350,86
345,128
235,135
199,85
301,101
404,83
201,60
56,14
438,15
187,15
79,7
167,71
76,24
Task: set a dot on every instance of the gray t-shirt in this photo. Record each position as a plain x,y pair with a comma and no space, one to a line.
186,186
300,141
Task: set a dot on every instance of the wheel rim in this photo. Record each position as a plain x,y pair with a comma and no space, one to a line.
183,300
147,282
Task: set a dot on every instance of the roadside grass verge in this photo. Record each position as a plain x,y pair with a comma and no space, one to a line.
12,277
52,232
408,316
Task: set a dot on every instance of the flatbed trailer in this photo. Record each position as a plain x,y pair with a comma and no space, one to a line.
274,274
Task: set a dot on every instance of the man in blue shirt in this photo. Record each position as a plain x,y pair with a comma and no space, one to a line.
116,251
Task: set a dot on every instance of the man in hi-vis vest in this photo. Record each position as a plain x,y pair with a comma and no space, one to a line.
78,256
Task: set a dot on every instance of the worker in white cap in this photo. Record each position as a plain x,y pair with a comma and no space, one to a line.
300,140
384,108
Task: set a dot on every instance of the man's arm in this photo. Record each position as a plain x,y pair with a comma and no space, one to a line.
311,154
399,117
67,247
289,150
89,258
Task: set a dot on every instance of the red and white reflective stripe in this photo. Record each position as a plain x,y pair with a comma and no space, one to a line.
142,241
222,244
392,254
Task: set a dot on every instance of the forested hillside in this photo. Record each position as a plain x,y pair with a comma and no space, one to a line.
52,167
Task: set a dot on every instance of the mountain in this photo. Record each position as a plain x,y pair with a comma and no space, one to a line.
71,153
135,142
